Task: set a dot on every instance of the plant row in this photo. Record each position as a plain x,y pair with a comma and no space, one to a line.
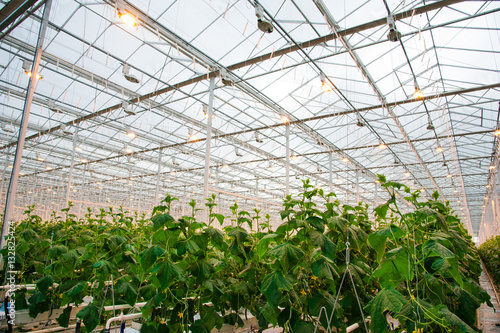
420,268
490,253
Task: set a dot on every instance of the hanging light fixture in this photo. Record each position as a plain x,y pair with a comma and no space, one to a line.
127,149
192,135
439,149
129,77
127,17
492,167
205,111
325,85
174,162
393,35
497,131
382,145
449,175
131,134
430,127
27,69
284,119
271,167
345,160
258,139
360,122
237,152
407,174
39,158
126,109
263,23
7,127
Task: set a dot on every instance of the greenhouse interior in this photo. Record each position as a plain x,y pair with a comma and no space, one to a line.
250,165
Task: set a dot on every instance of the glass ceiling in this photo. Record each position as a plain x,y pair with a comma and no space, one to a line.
85,109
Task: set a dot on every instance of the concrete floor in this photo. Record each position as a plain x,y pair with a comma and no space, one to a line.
489,321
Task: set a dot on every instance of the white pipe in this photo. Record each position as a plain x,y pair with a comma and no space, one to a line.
54,329
124,306
122,318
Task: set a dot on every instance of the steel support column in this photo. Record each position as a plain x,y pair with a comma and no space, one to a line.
11,193
208,141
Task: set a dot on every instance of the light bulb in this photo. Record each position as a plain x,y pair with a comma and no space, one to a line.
492,167
382,146
77,148
325,87
449,175
131,134
345,160
439,149
418,94
128,18
284,119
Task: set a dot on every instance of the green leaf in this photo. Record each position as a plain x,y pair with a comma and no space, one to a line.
433,248
76,289
394,268
321,240
188,246
127,291
324,267
150,255
219,218
271,313
378,239
90,317
44,283
287,254
441,311
168,273
273,285
63,319
317,223
387,299
57,251
216,236
263,245
161,220
381,210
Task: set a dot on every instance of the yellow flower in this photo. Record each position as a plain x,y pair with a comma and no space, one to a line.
418,330
303,292
60,295
163,322
180,314
314,278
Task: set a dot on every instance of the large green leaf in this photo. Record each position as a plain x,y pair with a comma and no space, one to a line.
273,285
161,220
63,319
263,245
287,254
44,283
386,299
216,236
394,268
433,248
324,267
127,291
57,251
321,240
168,273
271,313
378,239
441,311
90,317
149,256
